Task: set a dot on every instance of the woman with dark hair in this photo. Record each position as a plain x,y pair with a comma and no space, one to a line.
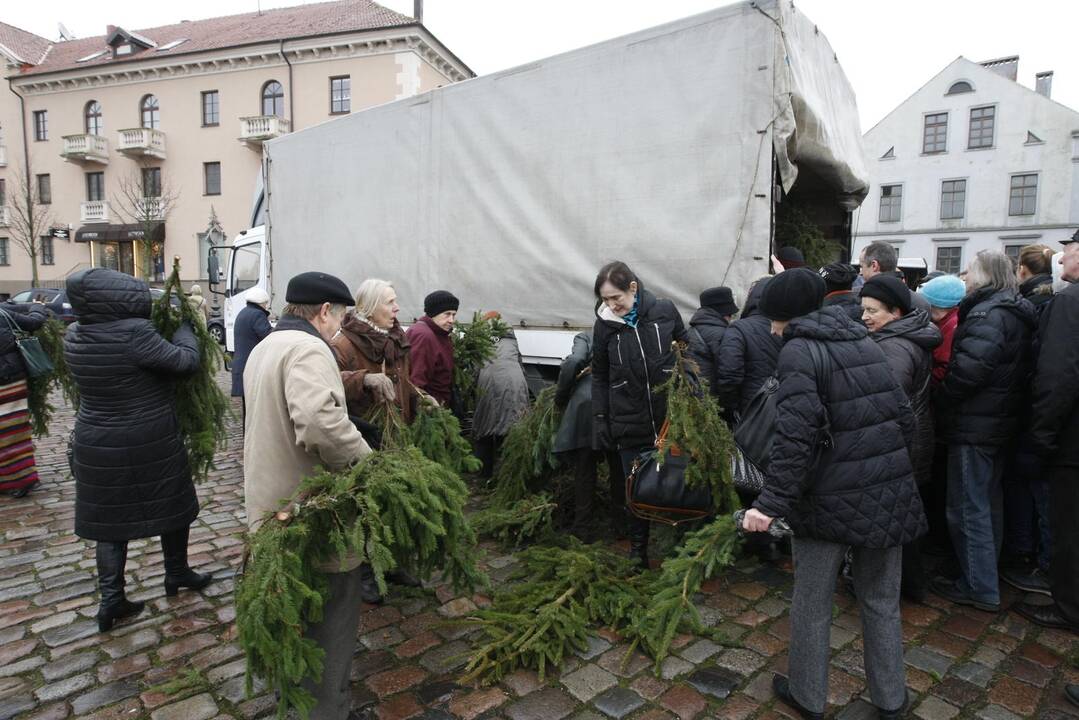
132,478
907,338
632,357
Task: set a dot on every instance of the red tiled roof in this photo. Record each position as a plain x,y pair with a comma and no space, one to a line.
29,48
324,18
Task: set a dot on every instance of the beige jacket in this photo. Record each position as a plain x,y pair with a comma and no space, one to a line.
296,421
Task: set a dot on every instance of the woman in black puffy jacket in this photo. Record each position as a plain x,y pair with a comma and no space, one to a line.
840,474
18,469
632,357
908,339
747,356
132,479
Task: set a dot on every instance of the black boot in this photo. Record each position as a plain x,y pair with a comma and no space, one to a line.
111,560
177,572
369,586
638,542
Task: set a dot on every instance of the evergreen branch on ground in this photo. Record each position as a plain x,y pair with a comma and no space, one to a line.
530,518
201,406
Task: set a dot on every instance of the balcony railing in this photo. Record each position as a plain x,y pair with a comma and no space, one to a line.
260,128
150,208
142,142
86,148
5,216
3,156
92,211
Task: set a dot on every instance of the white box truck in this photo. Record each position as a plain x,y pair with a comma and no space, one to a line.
668,149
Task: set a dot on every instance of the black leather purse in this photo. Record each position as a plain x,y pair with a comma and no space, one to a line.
657,490
753,434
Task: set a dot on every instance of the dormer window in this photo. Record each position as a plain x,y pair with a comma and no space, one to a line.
960,87
124,43
124,49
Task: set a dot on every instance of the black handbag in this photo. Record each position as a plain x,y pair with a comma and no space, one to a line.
34,357
657,490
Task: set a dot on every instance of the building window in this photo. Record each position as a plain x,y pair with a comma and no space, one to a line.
981,127
1012,251
151,112
960,87
935,133
151,182
273,99
1024,194
47,257
94,123
3,251
950,260
44,189
953,199
211,175
3,193
41,125
891,203
211,109
95,186
340,95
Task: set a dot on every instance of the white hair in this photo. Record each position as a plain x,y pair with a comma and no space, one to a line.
992,269
371,292
258,296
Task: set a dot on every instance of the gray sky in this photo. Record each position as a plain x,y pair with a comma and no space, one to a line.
888,49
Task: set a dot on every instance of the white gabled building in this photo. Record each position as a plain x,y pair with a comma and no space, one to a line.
972,161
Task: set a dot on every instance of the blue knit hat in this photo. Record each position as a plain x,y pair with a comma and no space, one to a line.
944,292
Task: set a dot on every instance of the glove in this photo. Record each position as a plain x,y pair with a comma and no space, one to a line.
602,432
380,386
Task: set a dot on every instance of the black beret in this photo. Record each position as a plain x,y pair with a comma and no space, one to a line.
791,257
1073,238
439,302
891,291
791,294
315,288
720,299
839,276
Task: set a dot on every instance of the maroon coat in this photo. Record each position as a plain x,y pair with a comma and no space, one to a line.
432,359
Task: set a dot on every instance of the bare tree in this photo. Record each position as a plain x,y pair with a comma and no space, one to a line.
29,219
146,198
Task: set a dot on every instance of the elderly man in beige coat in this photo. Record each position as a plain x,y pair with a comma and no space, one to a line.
296,420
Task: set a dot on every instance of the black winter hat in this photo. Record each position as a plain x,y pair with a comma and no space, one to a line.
791,294
791,257
889,290
315,288
838,276
720,299
1073,238
439,302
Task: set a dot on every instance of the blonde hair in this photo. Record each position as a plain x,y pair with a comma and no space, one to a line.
1038,259
370,293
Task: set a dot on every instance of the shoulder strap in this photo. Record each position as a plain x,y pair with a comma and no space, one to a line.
822,362
18,331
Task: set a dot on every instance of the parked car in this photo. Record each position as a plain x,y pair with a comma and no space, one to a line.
55,300
216,326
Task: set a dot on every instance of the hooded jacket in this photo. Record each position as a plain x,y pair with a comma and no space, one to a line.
710,326
983,394
361,349
908,345
501,391
861,490
252,325
628,366
132,479
747,356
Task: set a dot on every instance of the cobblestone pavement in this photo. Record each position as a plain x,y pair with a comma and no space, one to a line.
962,663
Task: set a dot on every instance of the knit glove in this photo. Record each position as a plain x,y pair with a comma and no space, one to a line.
380,386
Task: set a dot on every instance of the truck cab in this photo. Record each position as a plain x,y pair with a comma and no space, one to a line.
234,269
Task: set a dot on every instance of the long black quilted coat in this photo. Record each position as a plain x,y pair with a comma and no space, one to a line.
987,386
131,474
747,356
908,345
860,491
710,326
629,364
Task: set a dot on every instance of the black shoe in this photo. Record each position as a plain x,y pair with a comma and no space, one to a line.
782,688
895,714
403,578
369,592
1045,615
1031,580
948,590
24,491
1071,692
189,579
106,616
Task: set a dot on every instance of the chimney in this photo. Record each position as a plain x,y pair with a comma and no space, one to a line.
1043,83
417,10
1005,67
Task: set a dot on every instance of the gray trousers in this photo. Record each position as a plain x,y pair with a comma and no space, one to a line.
336,635
876,580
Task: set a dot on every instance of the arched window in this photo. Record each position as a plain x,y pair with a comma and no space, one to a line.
151,112
273,99
960,87
94,123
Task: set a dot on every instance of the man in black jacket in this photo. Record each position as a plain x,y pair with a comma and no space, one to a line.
707,328
1054,431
